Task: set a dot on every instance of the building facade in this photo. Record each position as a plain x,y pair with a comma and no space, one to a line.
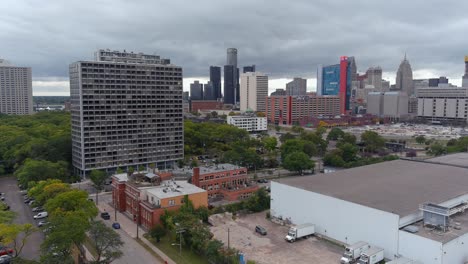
291,110
248,69
296,87
196,91
249,123
215,80
231,78
443,105
224,181
388,104
201,105
126,111
15,89
146,200
278,92
253,91
404,78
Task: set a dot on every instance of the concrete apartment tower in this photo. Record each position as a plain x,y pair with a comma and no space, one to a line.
15,89
253,91
126,112
296,87
231,78
404,78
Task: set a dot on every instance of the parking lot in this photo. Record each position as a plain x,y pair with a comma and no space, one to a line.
14,199
272,248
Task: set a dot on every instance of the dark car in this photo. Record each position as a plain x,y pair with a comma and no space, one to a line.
38,209
105,216
5,251
116,225
262,231
5,259
27,200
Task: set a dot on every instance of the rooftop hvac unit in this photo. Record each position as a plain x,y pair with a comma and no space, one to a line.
438,216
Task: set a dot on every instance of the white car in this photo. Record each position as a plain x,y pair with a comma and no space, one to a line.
41,215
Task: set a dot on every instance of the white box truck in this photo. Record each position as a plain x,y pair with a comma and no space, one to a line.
353,252
372,255
296,232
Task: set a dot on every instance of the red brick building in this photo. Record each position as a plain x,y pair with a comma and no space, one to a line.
196,105
226,181
145,199
290,110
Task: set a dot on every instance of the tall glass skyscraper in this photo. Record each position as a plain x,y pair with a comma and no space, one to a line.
231,78
215,80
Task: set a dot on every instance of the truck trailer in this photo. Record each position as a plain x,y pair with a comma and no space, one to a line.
353,252
296,232
372,255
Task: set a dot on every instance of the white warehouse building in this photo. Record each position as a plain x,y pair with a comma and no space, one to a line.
409,208
248,122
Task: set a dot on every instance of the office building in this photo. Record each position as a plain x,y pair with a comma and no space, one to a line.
231,78
201,105
408,208
388,104
443,105
226,181
208,92
251,123
337,80
278,92
374,77
465,76
291,110
253,91
196,91
149,197
126,112
185,95
435,82
249,69
296,87
404,78
15,89
215,80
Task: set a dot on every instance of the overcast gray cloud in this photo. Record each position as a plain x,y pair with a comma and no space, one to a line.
283,38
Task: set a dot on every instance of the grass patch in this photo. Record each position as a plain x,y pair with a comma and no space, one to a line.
187,257
88,243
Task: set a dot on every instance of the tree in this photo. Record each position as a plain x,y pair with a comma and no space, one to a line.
106,242
437,149
21,234
259,201
320,130
270,143
73,200
157,232
286,137
335,134
334,158
277,128
98,177
372,141
37,170
298,161
420,139
290,146
349,152
297,129
346,138
212,251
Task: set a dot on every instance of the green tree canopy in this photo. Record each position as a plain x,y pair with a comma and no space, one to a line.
106,241
298,161
335,134
37,170
372,141
98,178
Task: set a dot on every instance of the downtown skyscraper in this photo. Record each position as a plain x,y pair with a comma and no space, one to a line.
231,78
404,78
126,112
215,82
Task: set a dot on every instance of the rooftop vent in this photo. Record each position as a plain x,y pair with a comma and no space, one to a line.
438,216
411,228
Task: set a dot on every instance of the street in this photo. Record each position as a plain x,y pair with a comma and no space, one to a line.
14,198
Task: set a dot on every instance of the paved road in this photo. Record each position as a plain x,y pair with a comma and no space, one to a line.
14,198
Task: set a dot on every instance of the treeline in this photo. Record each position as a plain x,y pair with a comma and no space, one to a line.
50,100
36,147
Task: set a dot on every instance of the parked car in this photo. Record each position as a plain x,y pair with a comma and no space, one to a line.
38,209
116,225
2,198
31,201
5,251
5,259
41,215
42,223
261,230
105,216
27,200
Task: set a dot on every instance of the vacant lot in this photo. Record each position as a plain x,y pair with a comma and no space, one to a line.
272,248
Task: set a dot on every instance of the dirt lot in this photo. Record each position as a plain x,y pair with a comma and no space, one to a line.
272,248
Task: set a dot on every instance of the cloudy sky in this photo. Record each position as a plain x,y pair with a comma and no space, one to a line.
283,38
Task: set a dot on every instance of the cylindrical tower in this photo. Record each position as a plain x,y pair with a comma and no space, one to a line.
232,57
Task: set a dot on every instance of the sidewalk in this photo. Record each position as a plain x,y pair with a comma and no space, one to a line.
129,227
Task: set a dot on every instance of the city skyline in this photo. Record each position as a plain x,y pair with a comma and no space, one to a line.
48,37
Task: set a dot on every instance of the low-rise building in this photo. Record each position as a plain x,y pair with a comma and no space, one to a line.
290,110
198,105
248,122
443,105
224,181
145,196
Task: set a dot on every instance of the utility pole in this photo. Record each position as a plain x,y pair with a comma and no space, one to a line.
228,239
137,216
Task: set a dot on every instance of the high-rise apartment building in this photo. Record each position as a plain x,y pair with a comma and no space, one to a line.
196,91
253,91
15,89
249,69
215,80
231,78
126,112
404,78
296,87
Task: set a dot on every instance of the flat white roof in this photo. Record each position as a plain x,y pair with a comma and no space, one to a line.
169,189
